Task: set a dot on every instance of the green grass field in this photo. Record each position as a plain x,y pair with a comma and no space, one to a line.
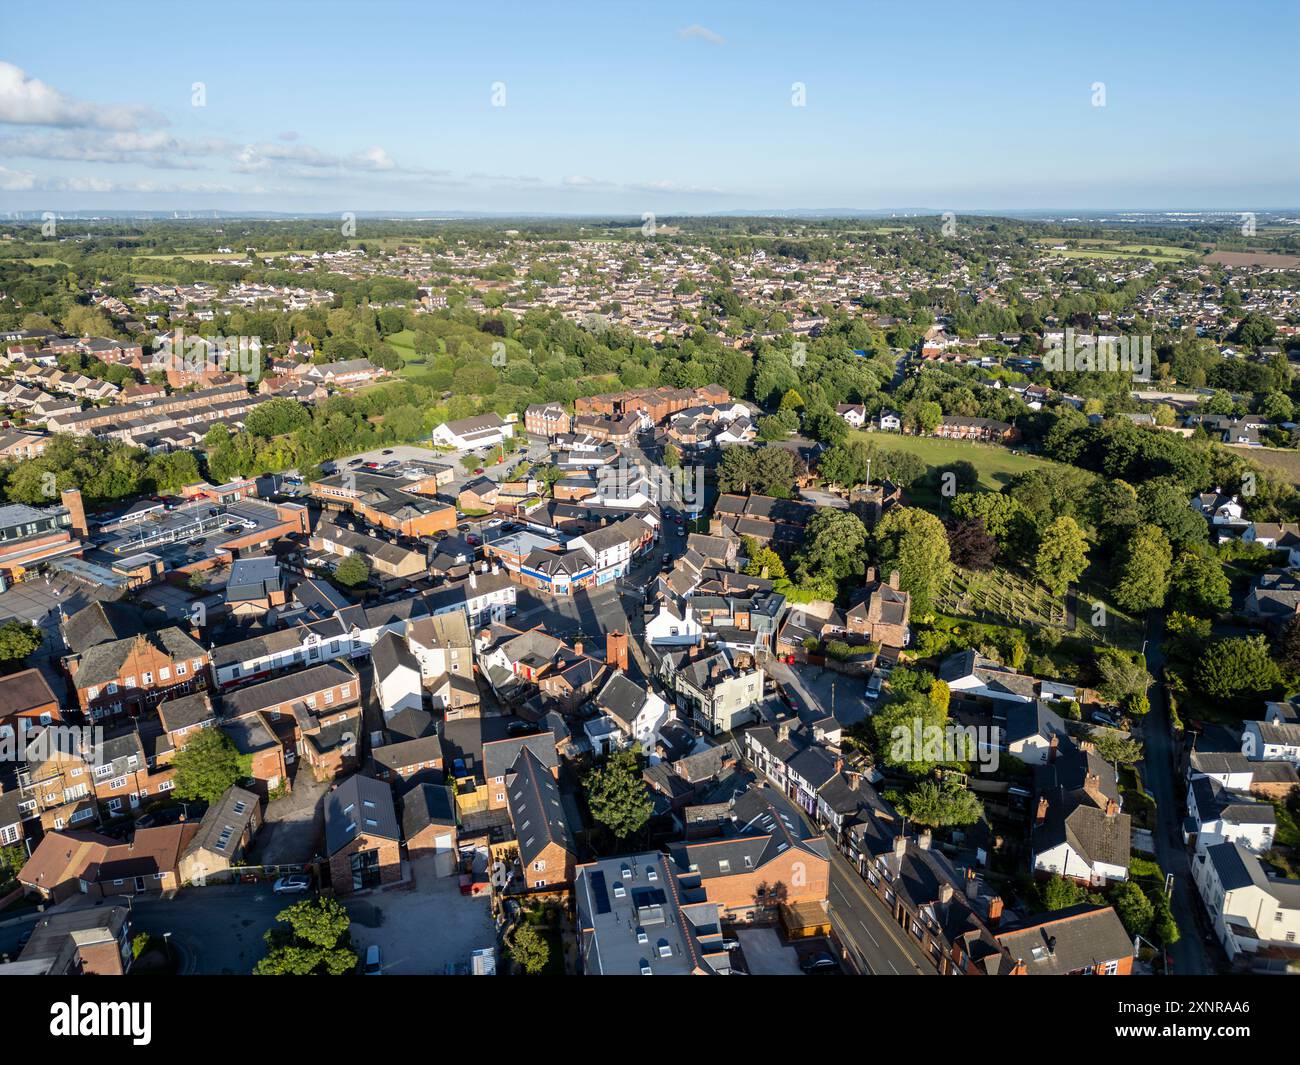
1111,249
996,464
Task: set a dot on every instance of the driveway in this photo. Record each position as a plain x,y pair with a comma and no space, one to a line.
430,929
294,825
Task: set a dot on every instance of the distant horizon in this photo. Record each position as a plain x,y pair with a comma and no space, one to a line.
506,214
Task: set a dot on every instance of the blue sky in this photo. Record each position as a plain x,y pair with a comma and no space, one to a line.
628,107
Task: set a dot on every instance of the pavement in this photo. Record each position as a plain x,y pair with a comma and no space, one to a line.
876,943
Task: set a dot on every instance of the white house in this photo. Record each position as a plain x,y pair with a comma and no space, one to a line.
855,414
673,626
1271,741
1217,815
397,680
1249,908
971,676
611,547
483,430
890,421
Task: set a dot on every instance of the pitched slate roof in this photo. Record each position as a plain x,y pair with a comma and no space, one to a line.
1067,941
425,805
536,809
361,804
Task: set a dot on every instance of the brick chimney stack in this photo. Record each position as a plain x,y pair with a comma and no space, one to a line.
923,840
995,911
577,647
71,498
900,845
893,579
616,650
1053,748
1041,815
945,893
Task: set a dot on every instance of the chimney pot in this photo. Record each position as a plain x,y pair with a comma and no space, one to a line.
995,910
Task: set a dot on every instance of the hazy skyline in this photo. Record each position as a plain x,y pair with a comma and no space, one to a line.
645,108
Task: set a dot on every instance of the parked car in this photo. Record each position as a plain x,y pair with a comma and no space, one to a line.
1100,717
373,961
388,451
819,964
478,471
291,885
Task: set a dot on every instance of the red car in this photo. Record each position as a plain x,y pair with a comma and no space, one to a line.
478,471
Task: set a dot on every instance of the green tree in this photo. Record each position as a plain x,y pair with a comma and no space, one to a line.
915,543
352,571
1060,894
1143,577
1134,908
834,547
1122,675
1198,586
765,563
18,639
1115,748
1062,554
529,949
942,803
1239,665
317,942
616,794
208,765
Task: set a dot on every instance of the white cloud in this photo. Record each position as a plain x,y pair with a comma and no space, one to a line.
696,32
16,180
26,101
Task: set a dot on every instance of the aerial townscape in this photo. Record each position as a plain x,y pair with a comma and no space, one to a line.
547,586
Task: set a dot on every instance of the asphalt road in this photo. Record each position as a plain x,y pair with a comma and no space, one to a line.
1161,782
876,943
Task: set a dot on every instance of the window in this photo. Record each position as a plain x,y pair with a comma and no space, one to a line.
181,669
198,664
539,867
128,682
164,673
147,678
345,692
111,689
329,697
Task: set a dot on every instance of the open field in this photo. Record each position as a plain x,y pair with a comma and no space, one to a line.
1254,258
1282,461
1111,249
404,344
996,465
